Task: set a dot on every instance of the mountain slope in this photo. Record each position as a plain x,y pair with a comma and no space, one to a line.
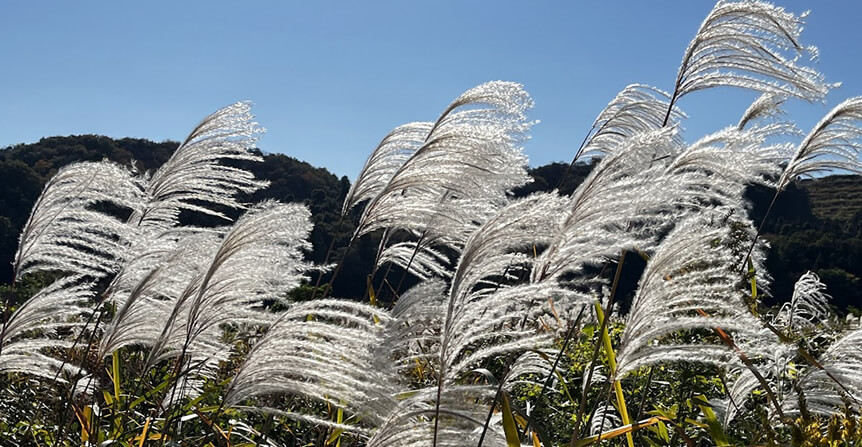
815,225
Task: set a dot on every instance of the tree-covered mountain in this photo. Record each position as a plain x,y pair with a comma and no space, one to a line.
815,225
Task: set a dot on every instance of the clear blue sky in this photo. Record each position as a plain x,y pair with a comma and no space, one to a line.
330,79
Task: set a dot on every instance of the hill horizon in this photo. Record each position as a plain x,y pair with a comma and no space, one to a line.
816,224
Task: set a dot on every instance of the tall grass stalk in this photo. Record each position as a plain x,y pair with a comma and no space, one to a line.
190,307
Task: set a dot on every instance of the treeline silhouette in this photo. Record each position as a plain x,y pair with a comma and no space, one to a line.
814,225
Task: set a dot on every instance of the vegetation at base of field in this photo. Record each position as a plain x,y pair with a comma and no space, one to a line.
629,304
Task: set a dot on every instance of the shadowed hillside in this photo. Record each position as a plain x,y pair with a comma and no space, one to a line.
26,167
815,225
837,198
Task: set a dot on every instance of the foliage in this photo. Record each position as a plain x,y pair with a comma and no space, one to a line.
813,226
173,305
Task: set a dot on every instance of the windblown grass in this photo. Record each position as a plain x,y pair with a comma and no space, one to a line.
515,311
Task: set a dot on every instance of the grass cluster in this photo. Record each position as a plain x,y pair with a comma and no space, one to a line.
135,329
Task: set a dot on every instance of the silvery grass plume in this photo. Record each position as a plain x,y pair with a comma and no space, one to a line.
501,249
413,338
375,374
752,45
506,241
423,262
451,221
688,284
485,315
740,391
459,422
819,393
145,299
833,144
774,374
777,369
30,329
328,350
531,368
603,419
623,203
454,412
635,110
486,323
351,355
808,306
767,106
462,172
395,149
67,231
194,179
718,167
716,170
235,283
152,250
747,44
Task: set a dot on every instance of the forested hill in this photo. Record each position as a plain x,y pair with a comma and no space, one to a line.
815,225
25,168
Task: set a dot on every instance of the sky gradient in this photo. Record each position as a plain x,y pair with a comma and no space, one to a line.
329,79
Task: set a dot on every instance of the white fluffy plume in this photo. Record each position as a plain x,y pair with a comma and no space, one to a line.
463,170
296,357
834,144
235,282
55,306
688,284
194,179
67,231
808,306
843,361
395,149
636,109
178,309
622,204
753,45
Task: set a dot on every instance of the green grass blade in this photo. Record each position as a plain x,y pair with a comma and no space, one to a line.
510,427
612,364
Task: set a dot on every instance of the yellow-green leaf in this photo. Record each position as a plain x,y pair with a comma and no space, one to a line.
510,428
336,434
612,364
624,430
108,399
372,298
713,425
116,375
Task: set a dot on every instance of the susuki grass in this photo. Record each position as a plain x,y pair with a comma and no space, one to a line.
151,332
